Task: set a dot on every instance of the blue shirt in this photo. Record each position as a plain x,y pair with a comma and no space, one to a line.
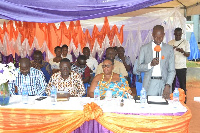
34,81
46,69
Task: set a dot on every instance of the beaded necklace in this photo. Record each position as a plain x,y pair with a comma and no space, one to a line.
106,82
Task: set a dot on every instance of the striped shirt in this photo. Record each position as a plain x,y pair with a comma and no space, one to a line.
34,81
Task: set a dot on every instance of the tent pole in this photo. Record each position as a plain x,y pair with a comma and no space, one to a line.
185,8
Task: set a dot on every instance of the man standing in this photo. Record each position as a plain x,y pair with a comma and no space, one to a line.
119,67
181,52
42,65
28,77
158,66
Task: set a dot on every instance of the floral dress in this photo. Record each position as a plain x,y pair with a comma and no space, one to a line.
118,88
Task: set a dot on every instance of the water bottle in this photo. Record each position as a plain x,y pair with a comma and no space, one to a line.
96,94
24,94
108,95
176,95
143,97
53,94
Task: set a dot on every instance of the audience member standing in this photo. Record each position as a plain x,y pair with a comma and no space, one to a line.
181,52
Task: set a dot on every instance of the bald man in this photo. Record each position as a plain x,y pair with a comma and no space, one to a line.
159,70
31,78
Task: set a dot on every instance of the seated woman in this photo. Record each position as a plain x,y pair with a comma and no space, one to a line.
56,61
66,80
109,81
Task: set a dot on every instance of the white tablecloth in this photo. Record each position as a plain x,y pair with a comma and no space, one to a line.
76,103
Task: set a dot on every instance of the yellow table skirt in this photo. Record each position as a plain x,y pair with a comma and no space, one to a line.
35,120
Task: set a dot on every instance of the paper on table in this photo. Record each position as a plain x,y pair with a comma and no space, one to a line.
156,99
197,99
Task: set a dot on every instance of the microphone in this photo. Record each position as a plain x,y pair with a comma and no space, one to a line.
157,54
157,49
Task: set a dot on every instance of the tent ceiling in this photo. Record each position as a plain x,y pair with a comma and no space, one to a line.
176,3
192,6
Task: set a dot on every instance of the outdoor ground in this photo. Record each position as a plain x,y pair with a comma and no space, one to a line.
193,90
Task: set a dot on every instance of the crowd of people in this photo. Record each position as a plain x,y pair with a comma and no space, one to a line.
40,76
160,69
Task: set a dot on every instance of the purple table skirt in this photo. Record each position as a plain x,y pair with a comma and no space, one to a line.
93,126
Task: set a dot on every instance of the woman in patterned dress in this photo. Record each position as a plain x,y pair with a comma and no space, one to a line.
109,80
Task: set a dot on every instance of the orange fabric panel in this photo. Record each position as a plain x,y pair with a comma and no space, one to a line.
36,120
40,33
63,35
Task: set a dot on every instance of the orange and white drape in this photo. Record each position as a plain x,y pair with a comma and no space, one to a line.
18,36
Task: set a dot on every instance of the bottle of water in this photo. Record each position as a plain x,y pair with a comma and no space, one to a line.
143,97
176,95
96,94
108,95
53,94
24,94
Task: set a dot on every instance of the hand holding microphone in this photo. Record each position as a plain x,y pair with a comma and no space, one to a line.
155,61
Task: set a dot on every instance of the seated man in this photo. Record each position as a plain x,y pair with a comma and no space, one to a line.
42,65
80,67
122,58
119,67
65,53
90,62
66,80
29,77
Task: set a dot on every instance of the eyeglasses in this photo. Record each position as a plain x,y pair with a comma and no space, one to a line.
108,66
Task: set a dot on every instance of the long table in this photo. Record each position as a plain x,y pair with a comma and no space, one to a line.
83,115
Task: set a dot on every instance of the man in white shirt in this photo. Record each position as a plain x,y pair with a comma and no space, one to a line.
119,67
65,53
91,62
181,52
158,66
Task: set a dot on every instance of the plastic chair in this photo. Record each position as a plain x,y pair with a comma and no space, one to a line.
86,85
139,84
138,87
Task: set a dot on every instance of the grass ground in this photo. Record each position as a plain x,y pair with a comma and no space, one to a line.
193,64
